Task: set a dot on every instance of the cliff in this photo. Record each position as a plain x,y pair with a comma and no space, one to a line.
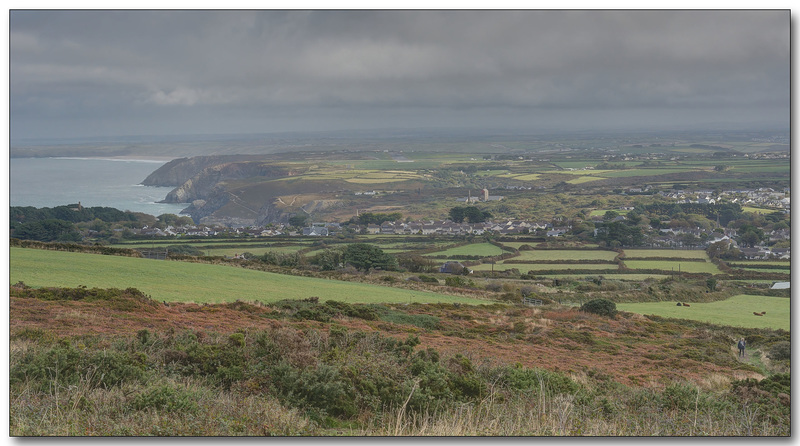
207,182
178,171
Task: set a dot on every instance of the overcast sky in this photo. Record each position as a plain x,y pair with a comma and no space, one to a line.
106,73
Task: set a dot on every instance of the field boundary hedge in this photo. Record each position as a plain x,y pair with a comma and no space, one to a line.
74,247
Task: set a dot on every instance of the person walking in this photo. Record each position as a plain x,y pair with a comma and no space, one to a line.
741,346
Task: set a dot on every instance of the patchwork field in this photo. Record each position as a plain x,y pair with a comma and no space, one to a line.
736,311
674,265
475,249
525,267
194,282
664,253
556,255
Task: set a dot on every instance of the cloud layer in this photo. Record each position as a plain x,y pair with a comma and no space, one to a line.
150,72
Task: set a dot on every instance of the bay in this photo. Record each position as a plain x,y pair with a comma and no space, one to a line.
49,182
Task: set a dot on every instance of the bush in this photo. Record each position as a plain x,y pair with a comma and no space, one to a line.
167,399
603,307
780,351
428,279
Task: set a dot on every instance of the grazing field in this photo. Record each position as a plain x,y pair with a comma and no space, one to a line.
525,267
736,311
767,270
195,282
757,210
556,255
260,250
475,249
674,265
664,253
786,263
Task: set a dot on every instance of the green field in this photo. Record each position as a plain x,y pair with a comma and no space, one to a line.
757,210
525,267
556,255
786,263
674,265
621,277
736,311
475,249
195,282
676,253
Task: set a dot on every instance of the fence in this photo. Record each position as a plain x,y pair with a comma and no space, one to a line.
531,301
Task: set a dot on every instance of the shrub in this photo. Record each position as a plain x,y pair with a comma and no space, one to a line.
603,307
780,351
167,399
494,286
428,279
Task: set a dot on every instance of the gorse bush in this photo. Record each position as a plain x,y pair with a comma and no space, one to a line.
780,351
166,398
603,307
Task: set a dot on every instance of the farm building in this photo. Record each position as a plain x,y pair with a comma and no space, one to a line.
780,286
453,267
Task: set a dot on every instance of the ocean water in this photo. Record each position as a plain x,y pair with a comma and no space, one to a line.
48,182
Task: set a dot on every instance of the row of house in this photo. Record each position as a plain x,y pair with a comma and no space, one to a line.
449,227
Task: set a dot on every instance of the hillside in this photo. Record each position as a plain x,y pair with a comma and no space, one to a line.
196,282
327,368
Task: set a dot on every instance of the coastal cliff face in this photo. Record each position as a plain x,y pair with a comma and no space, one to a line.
206,182
176,172
241,191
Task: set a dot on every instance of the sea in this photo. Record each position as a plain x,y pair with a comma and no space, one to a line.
49,182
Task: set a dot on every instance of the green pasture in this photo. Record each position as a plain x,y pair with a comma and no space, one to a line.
194,282
526,267
475,249
527,177
673,265
767,270
259,250
786,263
557,255
736,311
620,277
601,212
757,210
675,253
580,172
646,172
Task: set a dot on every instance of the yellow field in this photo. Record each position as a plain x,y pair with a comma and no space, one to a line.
581,180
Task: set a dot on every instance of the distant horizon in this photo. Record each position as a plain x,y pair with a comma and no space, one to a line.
387,133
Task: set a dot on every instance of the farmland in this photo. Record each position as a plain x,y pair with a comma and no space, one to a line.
192,282
736,311
297,338
673,265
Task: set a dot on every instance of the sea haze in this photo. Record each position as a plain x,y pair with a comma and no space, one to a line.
49,182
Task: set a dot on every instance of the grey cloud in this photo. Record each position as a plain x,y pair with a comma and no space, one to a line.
262,63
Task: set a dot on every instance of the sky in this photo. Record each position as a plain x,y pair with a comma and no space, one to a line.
150,72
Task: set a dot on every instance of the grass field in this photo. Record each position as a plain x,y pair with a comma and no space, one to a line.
736,311
475,249
581,180
622,277
194,282
674,265
786,263
556,255
757,210
676,253
524,268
